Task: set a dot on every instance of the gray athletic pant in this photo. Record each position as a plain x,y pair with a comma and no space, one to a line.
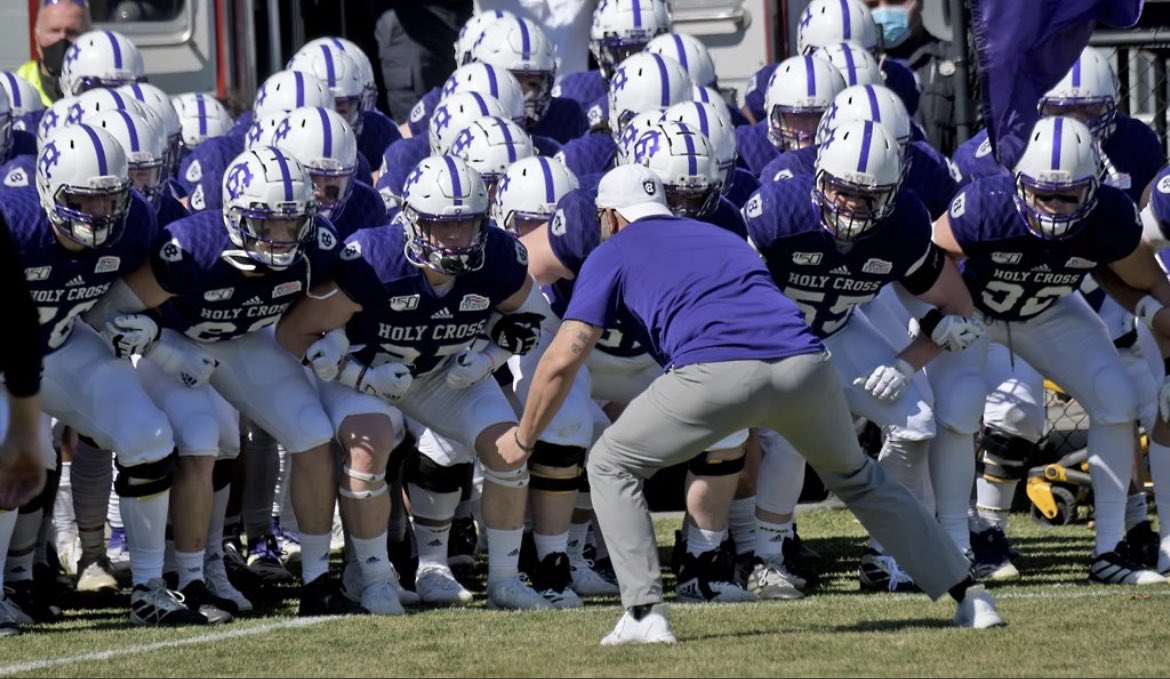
689,408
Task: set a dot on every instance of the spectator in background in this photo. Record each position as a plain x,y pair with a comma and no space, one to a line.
566,23
416,41
59,23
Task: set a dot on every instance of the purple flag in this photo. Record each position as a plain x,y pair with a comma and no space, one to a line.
1024,48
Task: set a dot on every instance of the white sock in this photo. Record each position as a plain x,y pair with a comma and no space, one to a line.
578,533
1110,457
1136,510
432,543
63,517
1159,460
372,558
503,553
952,471
219,504
770,538
550,544
994,502
699,540
314,555
741,523
190,567
145,520
781,474
7,525
19,567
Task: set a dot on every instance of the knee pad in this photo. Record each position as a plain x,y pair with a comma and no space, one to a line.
561,467
222,474
430,475
1114,401
362,476
700,465
141,480
509,478
1003,456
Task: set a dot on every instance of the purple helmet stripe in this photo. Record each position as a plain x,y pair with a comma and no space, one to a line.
1076,73
525,40
330,71
692,162
482,104
664,79
285,175
863,161
13,90
121,103
201,107
300,78
849,65
133,131
508,138
810,75
546,170
456,187
116,47
493,84
704,126
103,167
327,133
846,28
637,7
1057,132
874,109
682,52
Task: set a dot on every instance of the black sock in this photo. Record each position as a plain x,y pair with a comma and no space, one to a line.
640,611
959,591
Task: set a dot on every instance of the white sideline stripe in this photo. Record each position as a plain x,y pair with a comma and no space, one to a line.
6,670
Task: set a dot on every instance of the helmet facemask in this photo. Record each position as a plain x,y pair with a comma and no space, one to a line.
792,127
446,244
849,210
1054,209
92,216
272,236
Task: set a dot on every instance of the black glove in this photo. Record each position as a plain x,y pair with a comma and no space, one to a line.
517,333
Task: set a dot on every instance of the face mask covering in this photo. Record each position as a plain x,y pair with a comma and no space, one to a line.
895,23
53,58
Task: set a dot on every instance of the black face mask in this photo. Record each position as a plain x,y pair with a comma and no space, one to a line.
53,58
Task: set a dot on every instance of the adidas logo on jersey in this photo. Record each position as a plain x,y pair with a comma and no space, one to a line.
1042,267
840,271
255,301
76,281
442,314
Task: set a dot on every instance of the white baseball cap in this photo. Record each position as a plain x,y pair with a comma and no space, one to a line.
634,191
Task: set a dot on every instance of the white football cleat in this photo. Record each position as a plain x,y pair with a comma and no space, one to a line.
380,597
436,584
653,628
513,594
977,610
351,585
96,575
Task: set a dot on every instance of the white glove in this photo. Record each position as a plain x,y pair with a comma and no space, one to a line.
130,334
325,355
1147,307
886,383
956,333
472,366
389,381
1164,399
189,363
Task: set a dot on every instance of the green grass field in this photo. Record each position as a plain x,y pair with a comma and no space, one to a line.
1058,625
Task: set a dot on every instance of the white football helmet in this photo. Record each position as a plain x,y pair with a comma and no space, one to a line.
492,81
521,47
326,145
622,28
260,132
340,74
369,100
201,116
100,59
83,184
5,126
443,189
490,146
645,82
685,162
286,90
857,65
22,96
1061,159
714,123
100,100
825,22
868,102
54,118
634,129
268,208
858,174
158,103
800,86
144,145
457,112
689,52
708,95
1089,92
471,31
528,193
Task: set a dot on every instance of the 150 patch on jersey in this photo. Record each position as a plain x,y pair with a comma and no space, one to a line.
37,273
1007,257
403,302
806,258
474,303
220,295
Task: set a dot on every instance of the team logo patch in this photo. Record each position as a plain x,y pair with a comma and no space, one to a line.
417,112
806,258
1006,257
521,253
959,205
325,239
594,116
16,178
984,148
351,252
171,251
37,273
878,266
287,288
197,201
782,175
1080,263
557,226
649,188
107,264
219,295
194,172
754,207
474,303
1164,184
403,302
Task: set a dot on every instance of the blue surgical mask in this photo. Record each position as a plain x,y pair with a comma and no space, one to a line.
895,23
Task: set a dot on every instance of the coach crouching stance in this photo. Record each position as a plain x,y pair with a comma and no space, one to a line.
737,354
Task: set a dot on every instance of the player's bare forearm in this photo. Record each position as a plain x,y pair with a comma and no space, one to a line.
920,351
554,376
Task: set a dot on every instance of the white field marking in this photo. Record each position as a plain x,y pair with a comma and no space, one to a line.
33,665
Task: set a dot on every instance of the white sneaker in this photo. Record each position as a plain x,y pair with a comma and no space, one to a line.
653,628
96,575
770,581
380,597
587,582
436,584
977,610
215,575
351,585
513,594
